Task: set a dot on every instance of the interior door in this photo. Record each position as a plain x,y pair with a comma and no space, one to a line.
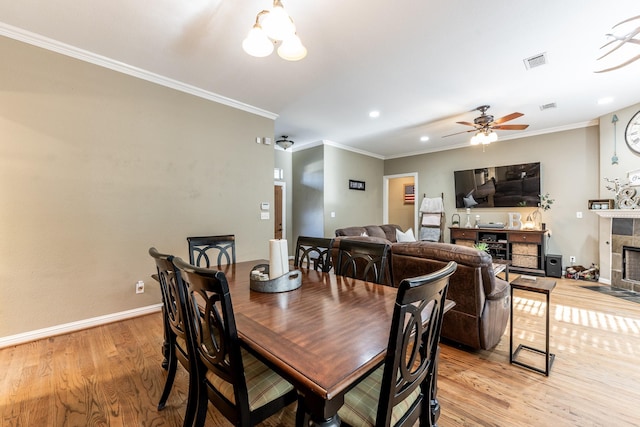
277,211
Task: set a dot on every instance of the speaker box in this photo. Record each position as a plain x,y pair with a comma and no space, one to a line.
554,266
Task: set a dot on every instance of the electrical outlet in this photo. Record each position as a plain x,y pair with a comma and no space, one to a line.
140,287
572,258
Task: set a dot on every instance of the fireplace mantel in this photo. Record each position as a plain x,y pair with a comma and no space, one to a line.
617,213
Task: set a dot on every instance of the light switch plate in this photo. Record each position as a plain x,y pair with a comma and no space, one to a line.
264,206
264,215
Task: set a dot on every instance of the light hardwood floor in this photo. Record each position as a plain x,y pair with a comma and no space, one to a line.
111,375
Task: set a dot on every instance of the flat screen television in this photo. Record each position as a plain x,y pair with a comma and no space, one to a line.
498,186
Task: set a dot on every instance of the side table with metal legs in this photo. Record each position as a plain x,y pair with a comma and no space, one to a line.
539,285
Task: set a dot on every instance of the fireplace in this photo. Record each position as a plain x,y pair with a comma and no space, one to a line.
631,264
625,253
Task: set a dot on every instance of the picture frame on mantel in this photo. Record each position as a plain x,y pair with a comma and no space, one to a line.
601,204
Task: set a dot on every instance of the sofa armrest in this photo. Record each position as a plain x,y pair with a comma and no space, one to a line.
499,291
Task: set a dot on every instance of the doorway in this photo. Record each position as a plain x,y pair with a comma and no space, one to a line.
279,210
396,207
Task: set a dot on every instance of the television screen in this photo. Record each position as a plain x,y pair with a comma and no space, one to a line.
498,186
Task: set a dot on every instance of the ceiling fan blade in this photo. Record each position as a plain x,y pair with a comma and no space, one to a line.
466,124
510,127
508,117
458,133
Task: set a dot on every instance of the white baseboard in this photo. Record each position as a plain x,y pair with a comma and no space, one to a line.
76,326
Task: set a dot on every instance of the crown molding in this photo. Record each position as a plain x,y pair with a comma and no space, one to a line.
102,61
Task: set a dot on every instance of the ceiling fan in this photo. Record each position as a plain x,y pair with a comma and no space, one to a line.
484,124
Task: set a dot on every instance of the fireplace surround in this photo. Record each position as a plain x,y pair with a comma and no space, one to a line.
625,253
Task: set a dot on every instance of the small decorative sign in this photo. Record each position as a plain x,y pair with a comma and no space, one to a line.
356,185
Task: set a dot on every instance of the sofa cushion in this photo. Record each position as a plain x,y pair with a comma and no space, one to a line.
376,231
351,231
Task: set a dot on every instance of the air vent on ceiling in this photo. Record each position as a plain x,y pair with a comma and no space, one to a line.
535,61
548,106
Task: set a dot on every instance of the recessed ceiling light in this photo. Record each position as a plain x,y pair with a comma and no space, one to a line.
424,138
603,101
375,113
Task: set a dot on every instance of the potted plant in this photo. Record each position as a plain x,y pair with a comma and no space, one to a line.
545,204
545,201
482,246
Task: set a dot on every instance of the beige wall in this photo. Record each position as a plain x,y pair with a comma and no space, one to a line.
569,167
308,192
96,167
321,177
351,207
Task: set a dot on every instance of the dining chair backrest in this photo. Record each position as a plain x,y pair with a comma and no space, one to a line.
362,260
402,391
212,251
177,347
221,366
313,253
413,344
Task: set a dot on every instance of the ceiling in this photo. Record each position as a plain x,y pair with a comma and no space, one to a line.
423,64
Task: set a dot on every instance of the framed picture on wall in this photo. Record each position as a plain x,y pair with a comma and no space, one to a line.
409,194
356,185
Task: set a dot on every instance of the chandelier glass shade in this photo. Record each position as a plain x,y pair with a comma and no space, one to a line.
484,137
272,27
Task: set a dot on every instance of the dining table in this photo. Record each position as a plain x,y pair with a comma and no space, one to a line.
322,337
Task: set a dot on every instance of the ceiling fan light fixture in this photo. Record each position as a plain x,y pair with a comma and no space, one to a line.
492,137
484,137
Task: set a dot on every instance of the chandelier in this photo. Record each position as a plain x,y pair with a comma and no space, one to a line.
273,27
484,136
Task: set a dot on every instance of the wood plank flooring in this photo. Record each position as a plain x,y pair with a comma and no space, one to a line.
111,375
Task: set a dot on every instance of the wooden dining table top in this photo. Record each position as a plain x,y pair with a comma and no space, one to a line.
322,336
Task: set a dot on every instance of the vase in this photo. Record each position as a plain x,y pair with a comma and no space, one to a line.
537,219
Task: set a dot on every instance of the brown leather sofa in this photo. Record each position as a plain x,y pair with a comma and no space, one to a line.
482,308
385,231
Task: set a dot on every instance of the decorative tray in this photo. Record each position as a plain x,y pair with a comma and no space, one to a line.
287,282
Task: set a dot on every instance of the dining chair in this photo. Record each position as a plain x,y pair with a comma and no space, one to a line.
363,260
313,253
177,347
403,390
205,250
241,387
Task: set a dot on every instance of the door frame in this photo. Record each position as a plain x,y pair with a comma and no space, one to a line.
385,198
283,184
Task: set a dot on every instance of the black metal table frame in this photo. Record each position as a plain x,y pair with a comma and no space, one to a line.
549,357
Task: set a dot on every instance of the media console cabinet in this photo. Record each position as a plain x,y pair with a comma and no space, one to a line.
525,249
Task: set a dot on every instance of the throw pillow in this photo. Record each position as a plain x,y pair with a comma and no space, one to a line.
407,236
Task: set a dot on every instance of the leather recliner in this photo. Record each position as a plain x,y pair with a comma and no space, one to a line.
479,318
